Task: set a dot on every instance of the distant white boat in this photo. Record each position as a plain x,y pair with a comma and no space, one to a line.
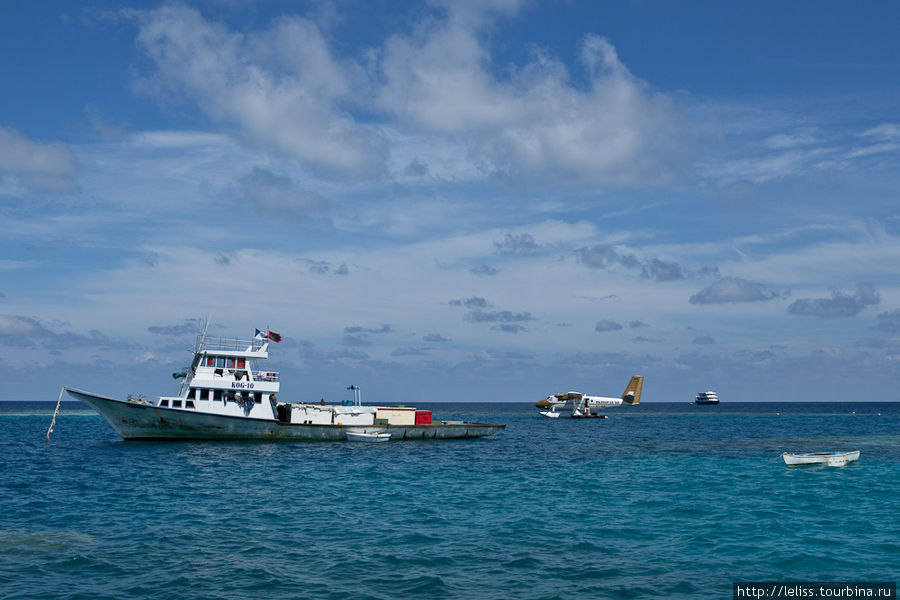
707,397
368,436
832,459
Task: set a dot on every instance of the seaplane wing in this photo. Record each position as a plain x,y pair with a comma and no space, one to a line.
574,400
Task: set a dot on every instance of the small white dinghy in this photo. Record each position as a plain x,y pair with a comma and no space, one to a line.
368,436
832,459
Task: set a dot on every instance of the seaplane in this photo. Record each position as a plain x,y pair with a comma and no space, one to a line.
582,405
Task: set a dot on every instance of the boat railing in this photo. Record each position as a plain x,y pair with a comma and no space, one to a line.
266,376
185,382
236,344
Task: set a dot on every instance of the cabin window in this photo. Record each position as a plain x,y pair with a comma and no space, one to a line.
241,363
209,361
230,363
176,403
257,398
217,395
164,403
220,362
189,404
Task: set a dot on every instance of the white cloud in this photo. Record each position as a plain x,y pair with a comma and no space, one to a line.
608,257
396,284
26,164
771,166
476,12
535,121
865,250
281,87
436,100
16,326
13,265
883,148
734,289
760,145
838,305
438,80
883,132
784,140
176,140
277,195
608,325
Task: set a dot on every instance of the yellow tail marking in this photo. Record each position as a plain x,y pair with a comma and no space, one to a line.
632,393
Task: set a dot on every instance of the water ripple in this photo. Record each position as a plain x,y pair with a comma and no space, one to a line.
641,505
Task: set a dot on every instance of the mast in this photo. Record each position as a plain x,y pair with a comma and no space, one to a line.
357,395
205,329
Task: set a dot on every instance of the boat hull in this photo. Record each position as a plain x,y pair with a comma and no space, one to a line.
370,437
832,459
135,421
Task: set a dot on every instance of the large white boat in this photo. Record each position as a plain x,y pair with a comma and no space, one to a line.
707,397
225,396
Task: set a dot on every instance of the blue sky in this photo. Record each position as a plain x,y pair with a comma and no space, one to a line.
466,201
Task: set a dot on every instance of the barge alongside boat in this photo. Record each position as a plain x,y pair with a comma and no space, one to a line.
224,396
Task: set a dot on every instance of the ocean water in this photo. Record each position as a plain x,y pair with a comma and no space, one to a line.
657,501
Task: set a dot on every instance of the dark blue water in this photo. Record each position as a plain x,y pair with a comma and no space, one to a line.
658,501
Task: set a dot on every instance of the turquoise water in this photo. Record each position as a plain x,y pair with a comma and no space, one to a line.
658,501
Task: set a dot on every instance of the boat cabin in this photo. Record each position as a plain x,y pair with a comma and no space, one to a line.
224,379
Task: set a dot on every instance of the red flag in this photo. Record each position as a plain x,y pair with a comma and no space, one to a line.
275,337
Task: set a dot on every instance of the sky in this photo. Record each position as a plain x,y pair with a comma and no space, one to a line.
489,200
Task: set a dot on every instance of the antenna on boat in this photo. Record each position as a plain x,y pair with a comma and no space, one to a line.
201,339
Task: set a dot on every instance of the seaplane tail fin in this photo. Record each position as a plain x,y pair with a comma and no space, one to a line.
632,393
